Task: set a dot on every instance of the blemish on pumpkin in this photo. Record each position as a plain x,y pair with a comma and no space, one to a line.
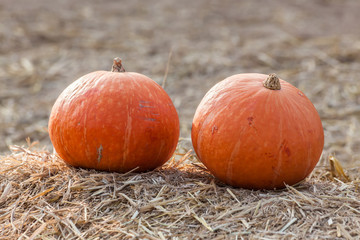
275,170
99,153
214,129
145,106
300,93
250,120
151,119
150,133
283,147
270,155
287,151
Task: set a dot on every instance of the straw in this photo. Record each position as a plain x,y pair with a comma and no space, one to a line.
42,197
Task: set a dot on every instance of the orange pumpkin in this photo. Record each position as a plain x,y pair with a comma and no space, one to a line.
257,131
114,121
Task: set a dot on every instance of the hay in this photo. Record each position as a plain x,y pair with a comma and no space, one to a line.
43,198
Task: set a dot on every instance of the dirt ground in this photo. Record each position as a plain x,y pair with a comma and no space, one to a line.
315,45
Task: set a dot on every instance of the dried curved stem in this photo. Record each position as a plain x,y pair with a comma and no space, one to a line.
117,66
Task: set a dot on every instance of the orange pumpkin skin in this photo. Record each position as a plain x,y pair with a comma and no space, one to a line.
252,137
114,121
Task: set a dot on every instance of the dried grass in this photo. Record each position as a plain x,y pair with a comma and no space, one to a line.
43,198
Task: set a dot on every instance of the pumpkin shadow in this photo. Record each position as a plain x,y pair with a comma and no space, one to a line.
182,176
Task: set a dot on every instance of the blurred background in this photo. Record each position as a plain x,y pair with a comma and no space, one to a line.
314,45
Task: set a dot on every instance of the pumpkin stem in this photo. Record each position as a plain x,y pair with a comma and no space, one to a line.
117,66
272,82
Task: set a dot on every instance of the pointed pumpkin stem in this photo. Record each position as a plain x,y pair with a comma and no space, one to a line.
272,82
117,66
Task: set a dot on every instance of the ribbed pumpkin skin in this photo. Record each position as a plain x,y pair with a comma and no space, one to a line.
115,122
252,137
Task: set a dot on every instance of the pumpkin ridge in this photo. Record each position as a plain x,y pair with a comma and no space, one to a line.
287,104
303,133
277,169
229,166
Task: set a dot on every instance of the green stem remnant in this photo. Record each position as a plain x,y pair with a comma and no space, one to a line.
272,82
117,66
